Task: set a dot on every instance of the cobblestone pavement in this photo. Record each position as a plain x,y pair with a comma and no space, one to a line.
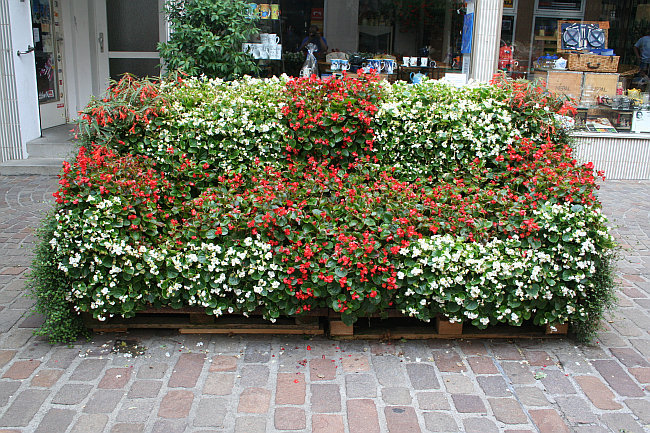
201,383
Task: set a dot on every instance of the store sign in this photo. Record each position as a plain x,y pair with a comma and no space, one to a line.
508,4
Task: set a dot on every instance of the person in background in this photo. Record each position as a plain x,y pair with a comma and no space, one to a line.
315,38
642,51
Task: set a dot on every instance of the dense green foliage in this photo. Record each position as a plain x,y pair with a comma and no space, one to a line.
207,36
281,196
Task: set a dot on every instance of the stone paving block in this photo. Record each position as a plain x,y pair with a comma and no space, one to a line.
599,394
223,363
127,428
473,348
626,327
170,426
360,386
292,360
250,424
401,419
576,410
506,351
466,403
322,369
362,416
62,357
187,370
211,412
355,364
325,397
439,422
642,345
254,400
115,378
494,386
90,423
422,376
518,373
539,358
152,370
144,389
219,384
103,401
7,390
321,423
389,370
8,319
640,407
642,374
46,378
176,404
55,420
257,352
507,410
88,370
32,321
20,370
548,421
290,388
458,384
23,408
593,352
611,339
482,365
71,394
621,422
448,361
396,396
629,357
254,375
6,356
290,418
556,382
480,425
433,401
136,411
617,378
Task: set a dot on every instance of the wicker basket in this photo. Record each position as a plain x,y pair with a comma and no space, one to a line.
593,63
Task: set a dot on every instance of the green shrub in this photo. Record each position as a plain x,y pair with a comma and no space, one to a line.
207,36
49,285
282,196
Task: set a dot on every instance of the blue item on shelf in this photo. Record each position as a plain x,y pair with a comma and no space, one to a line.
602,51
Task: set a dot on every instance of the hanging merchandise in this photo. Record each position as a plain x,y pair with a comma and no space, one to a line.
310,67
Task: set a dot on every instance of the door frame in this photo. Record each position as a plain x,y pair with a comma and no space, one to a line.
103,54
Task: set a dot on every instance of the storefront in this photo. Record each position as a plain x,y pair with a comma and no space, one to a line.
62,52
585,50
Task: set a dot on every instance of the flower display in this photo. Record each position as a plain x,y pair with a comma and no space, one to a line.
281,196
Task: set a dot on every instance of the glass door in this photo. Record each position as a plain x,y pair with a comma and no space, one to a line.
127,36
48,45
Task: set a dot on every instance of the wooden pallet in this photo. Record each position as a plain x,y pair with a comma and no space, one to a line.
413,329
318,322
195,321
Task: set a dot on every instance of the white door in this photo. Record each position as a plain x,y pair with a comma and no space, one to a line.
127,34
47,30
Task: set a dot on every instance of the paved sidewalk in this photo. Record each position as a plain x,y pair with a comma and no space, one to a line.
249,384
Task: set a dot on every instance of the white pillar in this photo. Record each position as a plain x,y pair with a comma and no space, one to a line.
19,117
487,34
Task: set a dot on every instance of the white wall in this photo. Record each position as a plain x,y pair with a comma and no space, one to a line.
20,20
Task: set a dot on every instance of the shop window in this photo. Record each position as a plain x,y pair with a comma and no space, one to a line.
561,5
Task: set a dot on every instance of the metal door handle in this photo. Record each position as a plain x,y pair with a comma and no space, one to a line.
101,42
29,50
